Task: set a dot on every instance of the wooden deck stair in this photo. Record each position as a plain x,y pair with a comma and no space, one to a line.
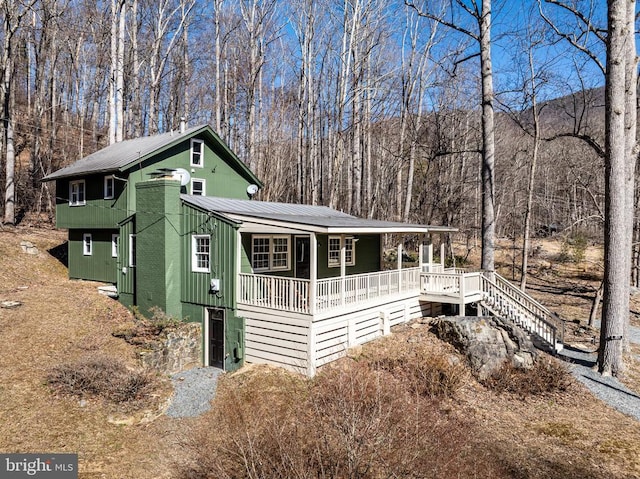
503,299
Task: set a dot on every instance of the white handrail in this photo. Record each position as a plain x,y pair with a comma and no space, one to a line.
521,308
292,294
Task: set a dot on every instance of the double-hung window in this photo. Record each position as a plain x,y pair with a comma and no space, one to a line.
197,153
109,187
334,251
271,252
200,253
87,244
198,187
77,193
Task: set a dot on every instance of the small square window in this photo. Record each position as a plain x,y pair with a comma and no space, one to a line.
109,187
198,187
87,244
197,153
201,250
77,193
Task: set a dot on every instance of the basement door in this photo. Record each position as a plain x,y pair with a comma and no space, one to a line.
216,337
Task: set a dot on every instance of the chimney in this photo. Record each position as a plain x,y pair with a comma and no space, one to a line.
183,124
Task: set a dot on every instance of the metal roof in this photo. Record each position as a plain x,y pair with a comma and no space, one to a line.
120,155
319,218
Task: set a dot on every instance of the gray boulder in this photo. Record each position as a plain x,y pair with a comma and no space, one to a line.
487,343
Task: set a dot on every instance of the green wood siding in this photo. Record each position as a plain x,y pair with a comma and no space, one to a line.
195,285
97,212
100,266
221,178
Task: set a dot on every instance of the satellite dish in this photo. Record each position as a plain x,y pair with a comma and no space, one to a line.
181,175
252,189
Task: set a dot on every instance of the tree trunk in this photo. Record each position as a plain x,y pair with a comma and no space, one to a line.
615,307
488,144
532,174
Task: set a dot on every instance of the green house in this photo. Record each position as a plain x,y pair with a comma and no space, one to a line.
169,221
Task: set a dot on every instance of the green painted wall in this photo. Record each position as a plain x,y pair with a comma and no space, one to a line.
157,229
195,285
100,266
97,212
221,179
367,257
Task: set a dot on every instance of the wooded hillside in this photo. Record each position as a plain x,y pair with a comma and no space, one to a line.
365,106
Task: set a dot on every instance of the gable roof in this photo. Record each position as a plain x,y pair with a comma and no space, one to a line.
319,219
119,156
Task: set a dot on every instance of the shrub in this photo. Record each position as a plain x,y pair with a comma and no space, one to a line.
547,376
145,331
429,374
351,421
101,377
574,248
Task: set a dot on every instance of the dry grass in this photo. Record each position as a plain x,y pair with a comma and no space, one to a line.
62,321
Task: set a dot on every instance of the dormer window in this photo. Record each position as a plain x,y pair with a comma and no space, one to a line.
108,187
197,153
76,193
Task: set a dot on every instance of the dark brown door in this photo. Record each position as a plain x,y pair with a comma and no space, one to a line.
216,338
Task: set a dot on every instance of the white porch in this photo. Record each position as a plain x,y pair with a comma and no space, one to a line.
301,324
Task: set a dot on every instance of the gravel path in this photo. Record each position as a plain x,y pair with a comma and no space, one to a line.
193,391
607,389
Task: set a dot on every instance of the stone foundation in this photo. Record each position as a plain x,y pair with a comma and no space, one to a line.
181,349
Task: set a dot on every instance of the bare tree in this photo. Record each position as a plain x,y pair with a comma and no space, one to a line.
480,12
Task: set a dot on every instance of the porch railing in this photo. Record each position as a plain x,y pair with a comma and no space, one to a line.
359,288
291,294
276,292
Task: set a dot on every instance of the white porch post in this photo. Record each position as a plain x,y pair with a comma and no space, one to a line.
399,267
343,267
442,255
238,264
430,254
313,272
421,254
462,295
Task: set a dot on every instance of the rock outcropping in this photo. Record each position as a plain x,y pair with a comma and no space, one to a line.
487,343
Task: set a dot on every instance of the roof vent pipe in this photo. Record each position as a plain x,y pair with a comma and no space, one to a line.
183,125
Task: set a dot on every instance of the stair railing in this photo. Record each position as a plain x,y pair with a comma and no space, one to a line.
506,299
